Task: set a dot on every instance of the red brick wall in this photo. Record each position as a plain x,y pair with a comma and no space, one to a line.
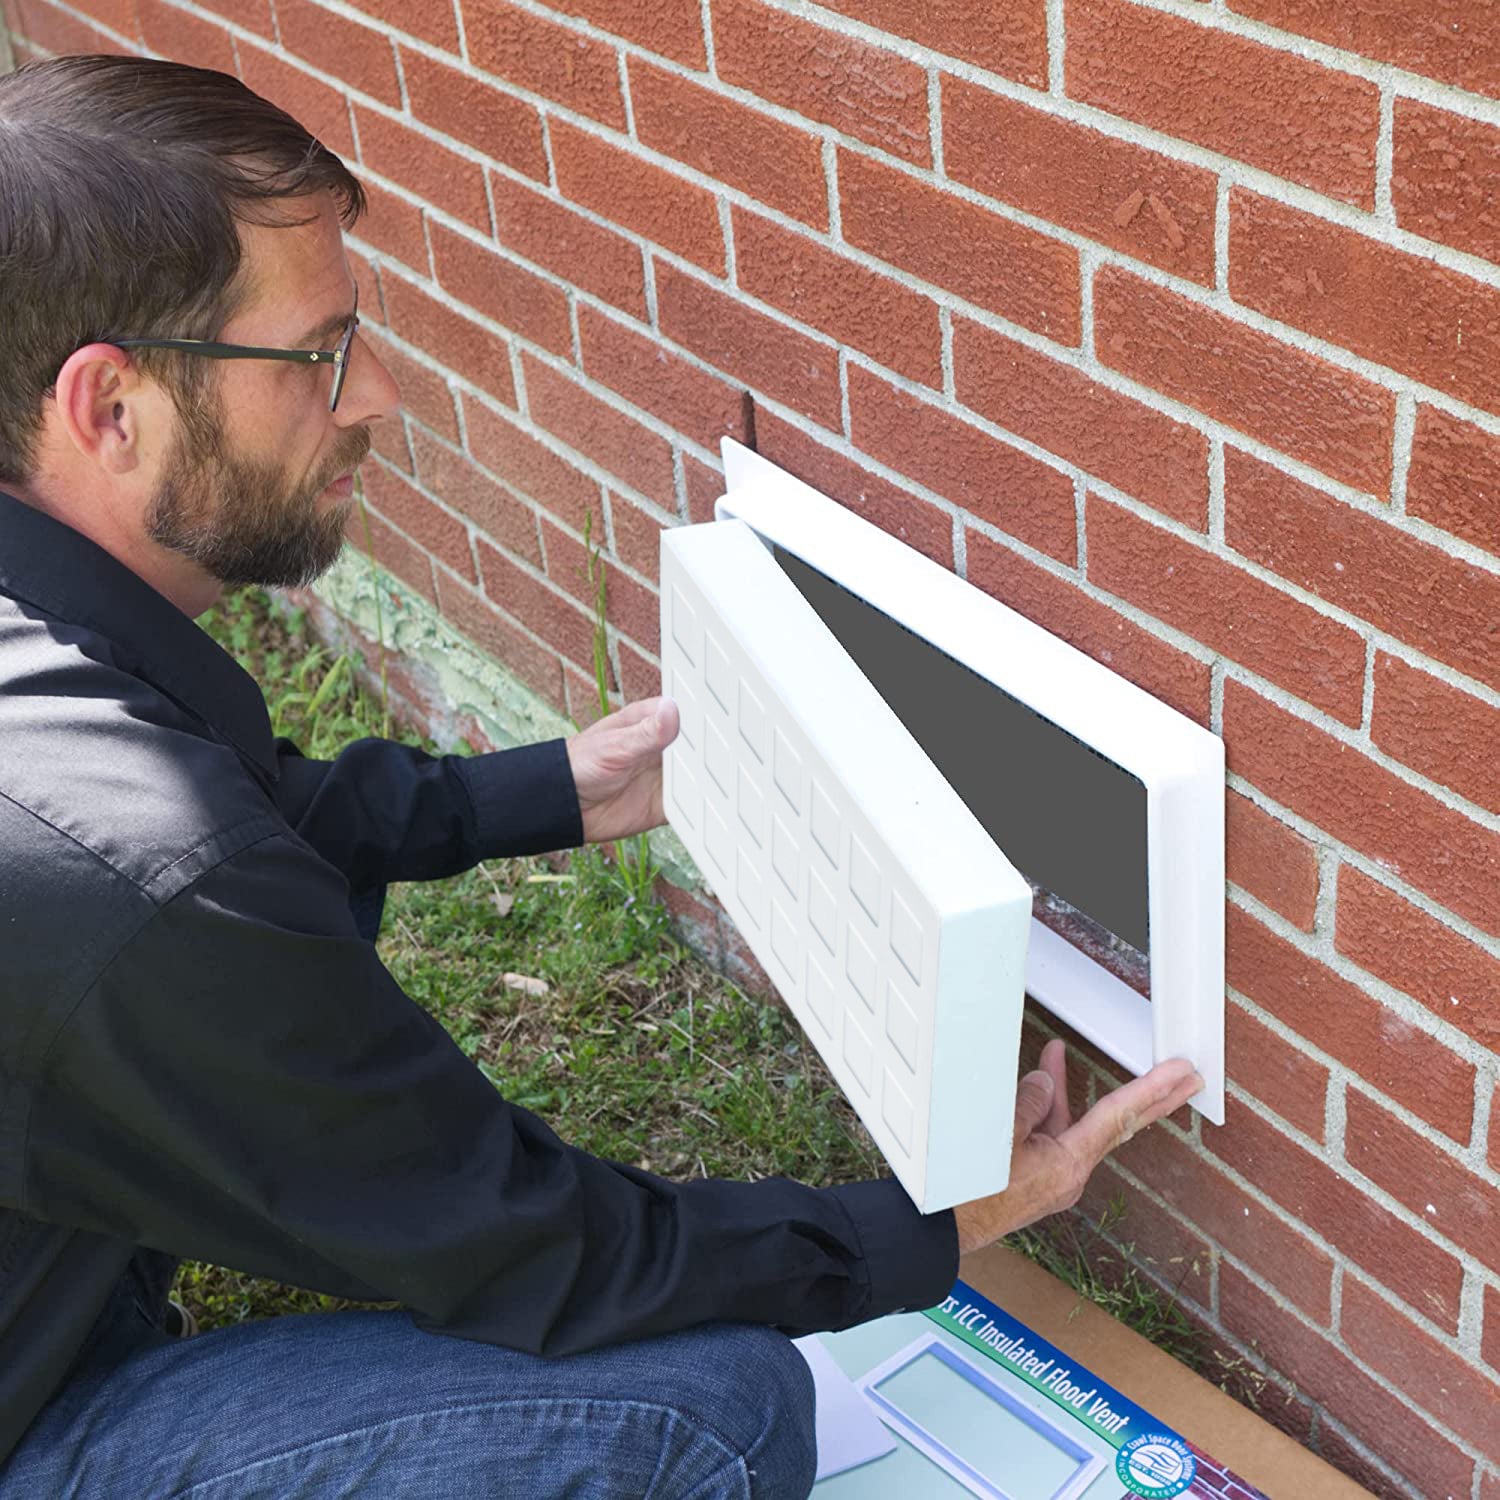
1175,324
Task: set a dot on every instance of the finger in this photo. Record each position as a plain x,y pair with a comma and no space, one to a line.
1033,1102
1055,1061
1130,1108
665,722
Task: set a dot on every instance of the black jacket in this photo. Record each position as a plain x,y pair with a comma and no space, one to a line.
202,1056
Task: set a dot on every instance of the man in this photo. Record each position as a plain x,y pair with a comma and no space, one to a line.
200,1051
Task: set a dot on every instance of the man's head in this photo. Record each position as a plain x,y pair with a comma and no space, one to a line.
144,200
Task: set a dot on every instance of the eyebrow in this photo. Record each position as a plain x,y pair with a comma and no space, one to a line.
315,337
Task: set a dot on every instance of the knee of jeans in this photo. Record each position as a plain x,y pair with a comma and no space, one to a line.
774,1381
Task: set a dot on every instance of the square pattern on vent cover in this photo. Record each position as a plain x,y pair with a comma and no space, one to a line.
886,917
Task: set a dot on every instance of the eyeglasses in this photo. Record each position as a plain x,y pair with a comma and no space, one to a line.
338,358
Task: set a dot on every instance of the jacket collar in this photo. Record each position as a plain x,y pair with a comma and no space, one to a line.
61,572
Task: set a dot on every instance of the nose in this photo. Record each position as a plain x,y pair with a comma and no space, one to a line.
370,390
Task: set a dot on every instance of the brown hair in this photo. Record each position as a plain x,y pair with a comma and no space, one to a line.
122,181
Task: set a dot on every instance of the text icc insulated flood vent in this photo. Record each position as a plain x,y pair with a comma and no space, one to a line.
878,766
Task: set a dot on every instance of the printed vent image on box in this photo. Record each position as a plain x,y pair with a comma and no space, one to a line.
878,764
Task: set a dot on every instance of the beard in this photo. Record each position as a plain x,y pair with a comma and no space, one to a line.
239,519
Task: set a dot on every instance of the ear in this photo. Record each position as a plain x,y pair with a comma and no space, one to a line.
105,407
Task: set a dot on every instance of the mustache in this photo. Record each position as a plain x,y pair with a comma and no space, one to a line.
352,451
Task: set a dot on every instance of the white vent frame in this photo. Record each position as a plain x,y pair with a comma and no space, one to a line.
1180,763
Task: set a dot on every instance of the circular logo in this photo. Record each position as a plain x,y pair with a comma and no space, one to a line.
1157,1465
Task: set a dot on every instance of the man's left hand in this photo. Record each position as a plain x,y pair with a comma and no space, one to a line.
617,769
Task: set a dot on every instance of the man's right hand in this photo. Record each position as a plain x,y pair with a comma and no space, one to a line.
1052,1156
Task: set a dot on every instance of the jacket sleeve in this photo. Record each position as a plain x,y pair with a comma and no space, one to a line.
247,1084
382,812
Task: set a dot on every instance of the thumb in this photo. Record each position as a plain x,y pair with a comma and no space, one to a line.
1033,1102
660,728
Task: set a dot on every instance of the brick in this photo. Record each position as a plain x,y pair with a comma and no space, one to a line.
358,55
775,163
903,515
998,265
424,393
465,488
119,15
480,622
1401,1435
555,61
54,31
1420,1273
677,215
1455,42
502,290
991,480
1059,605
1227,609
674,28
389,441
699,405
1489,1487
473,352
1491,1343
637,536
432,172
430,525
393,552
1288,115
1008,39
1416,1070
253,15
583,700
1460,1396
1445,734
746,345
1454,978
1303,405
633,609
394,226
514,456
1390,306
704,487
432,20
633,453
185,38
1353,1459
565,626
592,258
322,110
1448,1196
1119,440
860,308
1152,1238
1445,175
1410,833
640,677
371,293
1122,195
1275,1072
1443,606
1272,862
1454,478
823,75
504,128
1196,1187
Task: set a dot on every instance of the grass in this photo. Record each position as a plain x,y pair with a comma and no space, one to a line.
561,980
637,1051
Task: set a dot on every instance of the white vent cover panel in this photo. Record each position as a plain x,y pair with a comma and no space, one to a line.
891,924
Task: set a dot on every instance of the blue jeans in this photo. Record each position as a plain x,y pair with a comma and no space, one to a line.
349,1404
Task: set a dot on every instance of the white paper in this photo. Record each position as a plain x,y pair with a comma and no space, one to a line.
849,1432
